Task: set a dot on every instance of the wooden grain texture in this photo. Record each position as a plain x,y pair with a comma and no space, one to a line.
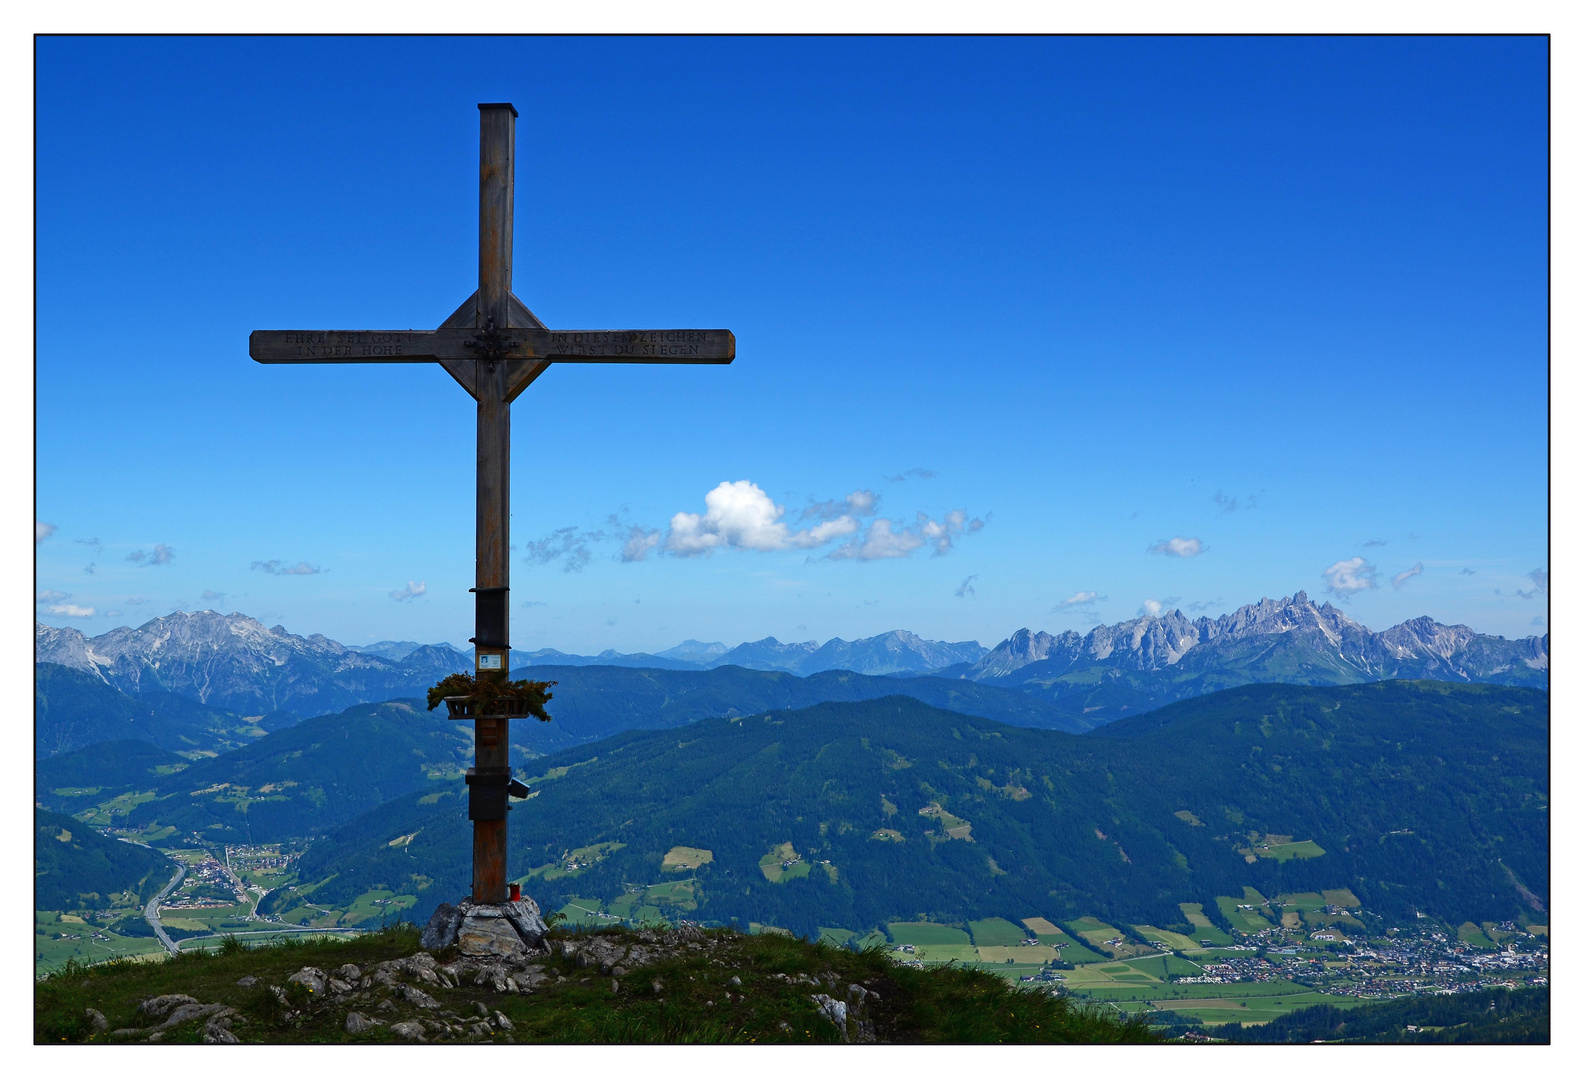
515,343
497,150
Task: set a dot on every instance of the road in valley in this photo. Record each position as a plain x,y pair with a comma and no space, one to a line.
151,910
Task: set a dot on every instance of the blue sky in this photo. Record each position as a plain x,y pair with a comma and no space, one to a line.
1034,332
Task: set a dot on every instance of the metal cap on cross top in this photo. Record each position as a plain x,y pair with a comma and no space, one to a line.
495,347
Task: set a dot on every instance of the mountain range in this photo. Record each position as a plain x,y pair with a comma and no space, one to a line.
235,664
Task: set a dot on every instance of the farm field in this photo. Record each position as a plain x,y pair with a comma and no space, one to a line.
1174,942
924,933
1246,913
1096,934
782,863
1203,929
682,858
996,932
83,942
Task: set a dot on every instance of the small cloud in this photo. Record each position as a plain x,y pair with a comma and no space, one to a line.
71,610
1206,605
1350,576
1225,502
209,596
639,543
1466,570
1079,599
569,545
1181,547
42,531
533,603
882,541
161,555
1542,579
1374,543
966,589
279,568
113,614
1151,608
94,544
135,601
859,504
1538,620
1399,580
90,568
51,596
413,590
921,474
610,622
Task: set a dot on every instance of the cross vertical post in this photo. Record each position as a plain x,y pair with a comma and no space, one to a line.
494,347
492,577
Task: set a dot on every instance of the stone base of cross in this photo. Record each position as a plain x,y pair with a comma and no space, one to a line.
495,348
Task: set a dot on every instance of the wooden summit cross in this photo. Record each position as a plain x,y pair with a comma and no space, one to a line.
494,346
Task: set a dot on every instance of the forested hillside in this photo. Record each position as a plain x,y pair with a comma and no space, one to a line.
74,864
1414,795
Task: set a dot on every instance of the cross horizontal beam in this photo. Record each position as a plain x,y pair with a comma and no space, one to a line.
513,343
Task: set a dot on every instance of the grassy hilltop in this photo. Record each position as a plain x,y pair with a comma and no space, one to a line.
690,986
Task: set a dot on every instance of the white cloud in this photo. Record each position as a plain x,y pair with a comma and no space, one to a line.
1542,579
42,531
1151,608
883,541
161,555
51,596
413,590
210,594
280,569
860,503
569,544
639,543
1084,598
1182,547
738,514
1399,580
72,610
1350,576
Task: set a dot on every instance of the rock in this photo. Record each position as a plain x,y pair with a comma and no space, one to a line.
357,1024
657,986
735,980
501,1021
834,1011
218,1032
125,1033
96,1020
524,916
489,935
480,1008
247,980
480,1029
349,973
386,1006
441,930
311,977
338,986
409,1029
155,1008
183,1013
417,997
